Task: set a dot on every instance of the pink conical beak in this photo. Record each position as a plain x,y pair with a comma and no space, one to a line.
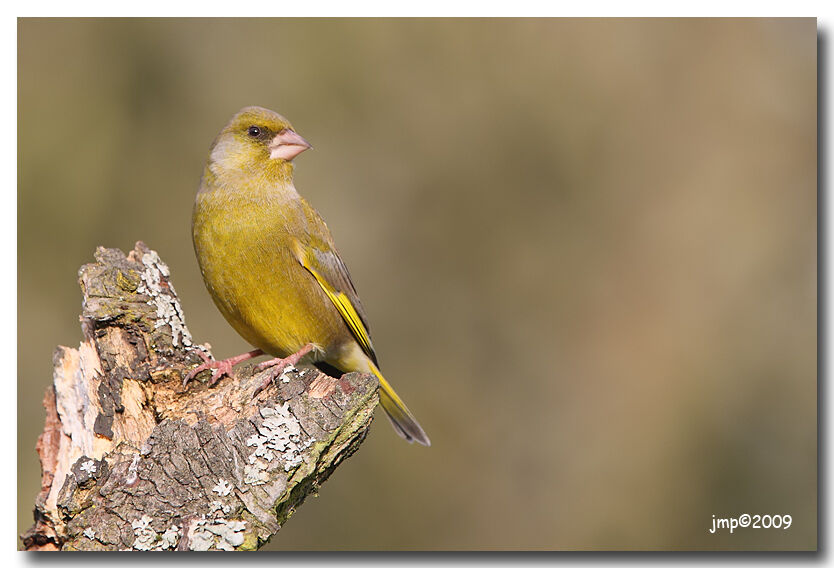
287,144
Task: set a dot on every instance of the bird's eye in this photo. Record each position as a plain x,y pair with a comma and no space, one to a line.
254,131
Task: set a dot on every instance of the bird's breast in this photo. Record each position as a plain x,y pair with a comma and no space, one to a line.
244,249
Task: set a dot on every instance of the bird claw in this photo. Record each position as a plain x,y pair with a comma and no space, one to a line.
267,364
224,368
218,370
276,366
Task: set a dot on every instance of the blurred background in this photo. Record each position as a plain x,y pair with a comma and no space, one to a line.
587,250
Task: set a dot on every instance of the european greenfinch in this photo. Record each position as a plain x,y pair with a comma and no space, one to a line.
270,264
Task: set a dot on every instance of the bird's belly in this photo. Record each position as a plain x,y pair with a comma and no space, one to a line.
264,292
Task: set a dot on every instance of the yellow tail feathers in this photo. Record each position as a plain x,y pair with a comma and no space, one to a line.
401,418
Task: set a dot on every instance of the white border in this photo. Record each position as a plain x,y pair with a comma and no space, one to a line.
8,195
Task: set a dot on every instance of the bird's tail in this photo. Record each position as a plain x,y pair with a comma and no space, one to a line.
401,418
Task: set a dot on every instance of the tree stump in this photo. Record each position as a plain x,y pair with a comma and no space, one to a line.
132,460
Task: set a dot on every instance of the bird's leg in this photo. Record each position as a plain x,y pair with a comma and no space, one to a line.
221,368
277,365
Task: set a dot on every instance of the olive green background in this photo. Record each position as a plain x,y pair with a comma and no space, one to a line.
587,249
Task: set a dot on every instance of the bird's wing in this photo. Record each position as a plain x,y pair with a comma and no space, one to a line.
324,263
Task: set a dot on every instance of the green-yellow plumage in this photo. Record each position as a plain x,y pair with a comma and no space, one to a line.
268,259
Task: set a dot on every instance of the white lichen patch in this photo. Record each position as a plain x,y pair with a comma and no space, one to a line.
285,374
89,533
170,538
146,538
145,535
89,466
255,474
133,471
222,488
221,534
217,507
279,436
168,309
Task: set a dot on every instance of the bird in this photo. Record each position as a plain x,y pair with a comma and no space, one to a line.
271,266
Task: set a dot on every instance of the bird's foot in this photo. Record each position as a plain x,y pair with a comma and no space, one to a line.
276,366
219,368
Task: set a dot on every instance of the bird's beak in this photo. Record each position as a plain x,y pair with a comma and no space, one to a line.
287,144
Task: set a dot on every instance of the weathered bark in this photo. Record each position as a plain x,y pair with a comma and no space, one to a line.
132,460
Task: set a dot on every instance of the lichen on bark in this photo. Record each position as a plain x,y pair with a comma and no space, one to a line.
132,460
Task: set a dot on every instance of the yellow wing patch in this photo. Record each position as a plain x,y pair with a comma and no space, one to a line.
343,305
347,311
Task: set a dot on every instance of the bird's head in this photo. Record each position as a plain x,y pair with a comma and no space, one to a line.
256,141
